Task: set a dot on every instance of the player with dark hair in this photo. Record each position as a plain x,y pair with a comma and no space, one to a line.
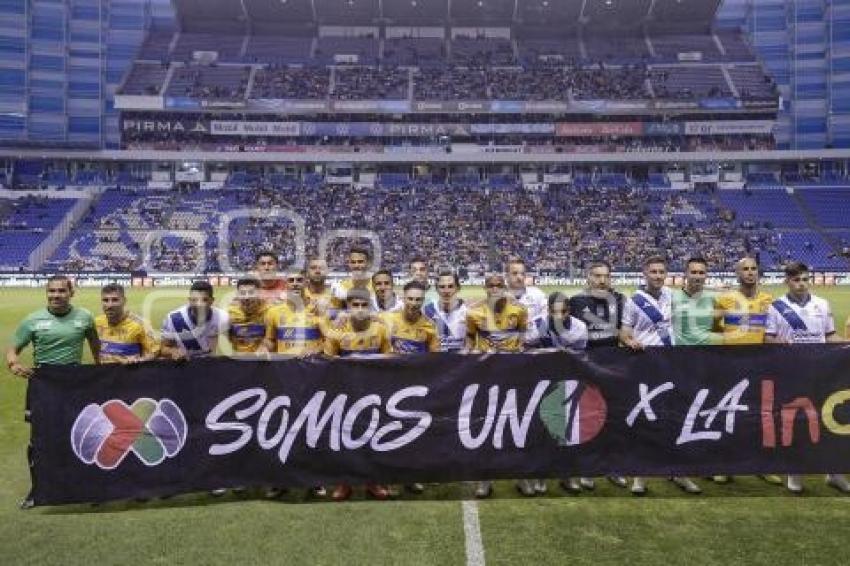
294,327
532,298
57,332
600,308
359,263
647,322
192,331
125,337
448,313
411,332
802,318
694,308
359,336
247,317
418,271
266,268
317,291
385,299
497,324
562,331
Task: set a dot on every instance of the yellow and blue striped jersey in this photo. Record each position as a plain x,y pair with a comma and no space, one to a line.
345,341
295,332
410,338
497,332
321,302
246,330
743,320
130,338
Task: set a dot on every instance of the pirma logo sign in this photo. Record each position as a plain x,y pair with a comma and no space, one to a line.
152,430
574,412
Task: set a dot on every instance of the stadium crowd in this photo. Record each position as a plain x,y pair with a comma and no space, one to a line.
561,228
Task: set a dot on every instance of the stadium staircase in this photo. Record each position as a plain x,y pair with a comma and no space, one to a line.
167,81
52,242
811,220
729,82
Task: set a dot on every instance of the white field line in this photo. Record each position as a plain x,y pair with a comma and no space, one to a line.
472,534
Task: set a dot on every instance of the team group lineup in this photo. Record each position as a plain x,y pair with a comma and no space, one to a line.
300,313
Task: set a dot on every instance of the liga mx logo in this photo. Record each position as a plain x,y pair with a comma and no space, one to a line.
152,430
574,412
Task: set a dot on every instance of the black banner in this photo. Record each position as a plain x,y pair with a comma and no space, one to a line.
113,432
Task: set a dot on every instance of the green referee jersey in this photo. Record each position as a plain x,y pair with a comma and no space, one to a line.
693,318
55,339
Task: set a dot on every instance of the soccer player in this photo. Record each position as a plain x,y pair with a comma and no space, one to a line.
742,313
565,332
694,308
532,298
246,317
741,318
418,271
359,336
317,291
411,332
192,331
385,299
600,307
272,286
802,318
647,323
125,338
497,324
448,313
359,261
294,328
56,332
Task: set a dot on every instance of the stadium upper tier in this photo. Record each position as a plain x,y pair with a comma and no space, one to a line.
464,224
679,67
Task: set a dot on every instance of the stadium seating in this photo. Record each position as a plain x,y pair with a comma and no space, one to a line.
414,51
830,207
689,82
775,208
365,83
145,78
466,225
24,224
596,67
278,50
197,81
291,82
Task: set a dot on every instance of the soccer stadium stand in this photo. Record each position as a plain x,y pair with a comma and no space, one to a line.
24,223
465,224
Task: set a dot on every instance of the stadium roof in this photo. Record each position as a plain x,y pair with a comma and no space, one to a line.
268,16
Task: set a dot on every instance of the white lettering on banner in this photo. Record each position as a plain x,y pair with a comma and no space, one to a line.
644,405
333,422
508,414
215,415
730,404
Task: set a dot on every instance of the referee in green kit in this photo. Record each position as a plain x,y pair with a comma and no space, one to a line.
57,333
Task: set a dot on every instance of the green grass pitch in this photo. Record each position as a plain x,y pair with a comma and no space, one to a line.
746,522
